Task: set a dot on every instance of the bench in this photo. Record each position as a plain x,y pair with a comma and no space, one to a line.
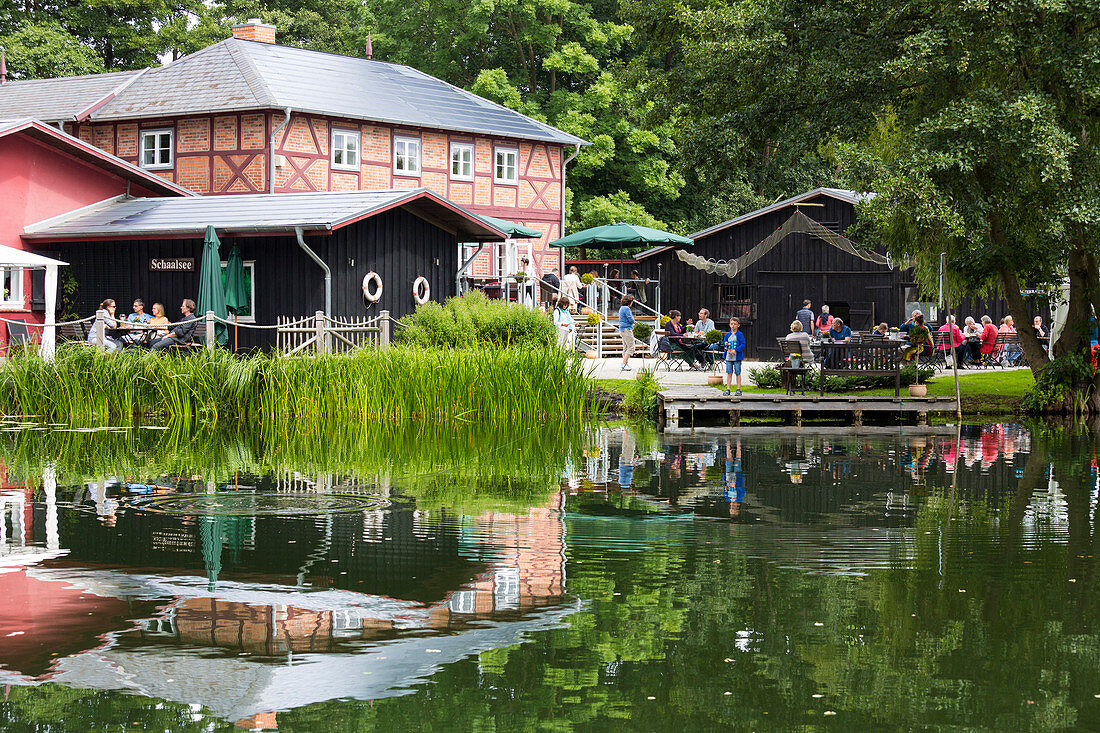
788,347
864,359
71,331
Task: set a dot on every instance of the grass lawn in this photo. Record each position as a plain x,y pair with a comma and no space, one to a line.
984,393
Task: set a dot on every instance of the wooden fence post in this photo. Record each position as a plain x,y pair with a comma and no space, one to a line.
319,326
210,339
100,341
384,329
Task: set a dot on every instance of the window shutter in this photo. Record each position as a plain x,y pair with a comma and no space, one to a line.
38,285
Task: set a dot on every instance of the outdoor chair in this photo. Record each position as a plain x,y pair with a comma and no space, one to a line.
18,333
72,332
671,357
993,358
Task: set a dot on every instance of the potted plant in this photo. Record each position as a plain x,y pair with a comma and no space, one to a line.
642,331
593,319
796,361
587,279
916,389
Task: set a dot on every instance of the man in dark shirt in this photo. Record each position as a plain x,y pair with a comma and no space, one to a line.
553,292
181,333
805,316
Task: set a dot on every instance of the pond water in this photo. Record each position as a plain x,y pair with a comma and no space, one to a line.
595,578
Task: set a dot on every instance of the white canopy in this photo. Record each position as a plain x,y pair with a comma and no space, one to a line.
12,257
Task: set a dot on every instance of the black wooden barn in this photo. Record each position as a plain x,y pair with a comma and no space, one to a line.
129,248
766,294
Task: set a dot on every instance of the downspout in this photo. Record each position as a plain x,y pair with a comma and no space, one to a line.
561,231
322,265
466,266
271,162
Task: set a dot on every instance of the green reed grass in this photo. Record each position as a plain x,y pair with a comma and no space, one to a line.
431,385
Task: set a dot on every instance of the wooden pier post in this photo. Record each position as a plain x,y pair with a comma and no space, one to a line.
319,328
210,338
384,329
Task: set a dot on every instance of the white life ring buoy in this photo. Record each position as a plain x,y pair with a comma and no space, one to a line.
422,291
372,279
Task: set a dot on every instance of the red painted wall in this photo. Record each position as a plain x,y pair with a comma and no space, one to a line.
38,181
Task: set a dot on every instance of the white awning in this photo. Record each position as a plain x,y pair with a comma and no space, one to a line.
12,257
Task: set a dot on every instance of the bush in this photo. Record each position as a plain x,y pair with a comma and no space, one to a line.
641,395
473,319
768,377
642,331
594,319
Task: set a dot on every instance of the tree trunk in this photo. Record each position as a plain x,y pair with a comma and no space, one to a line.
1029,341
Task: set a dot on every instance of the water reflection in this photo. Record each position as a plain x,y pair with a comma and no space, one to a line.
751,578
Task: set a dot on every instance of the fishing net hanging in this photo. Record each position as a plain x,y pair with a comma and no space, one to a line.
799,223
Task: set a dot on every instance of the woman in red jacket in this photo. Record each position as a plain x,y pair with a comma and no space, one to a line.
989,336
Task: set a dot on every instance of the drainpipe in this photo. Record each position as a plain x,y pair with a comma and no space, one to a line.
322,265
561,232
271,160
465,267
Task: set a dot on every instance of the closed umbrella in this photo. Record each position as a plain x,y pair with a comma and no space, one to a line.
211,291
236,288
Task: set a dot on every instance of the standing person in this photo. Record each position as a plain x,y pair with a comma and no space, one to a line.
805,316
640,286
182,333
824,321
571,285
734,346
135,338
109,321
527,283
734,479
567,330
553,286
626,330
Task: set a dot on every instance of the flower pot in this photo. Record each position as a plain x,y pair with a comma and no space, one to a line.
585,311
590,354
918,390
714,379
796,361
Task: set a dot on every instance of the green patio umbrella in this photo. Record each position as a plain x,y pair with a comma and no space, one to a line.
624,235
236,288
210,532
211,292
512,229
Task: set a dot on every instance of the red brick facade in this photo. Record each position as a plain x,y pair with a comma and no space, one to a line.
226,154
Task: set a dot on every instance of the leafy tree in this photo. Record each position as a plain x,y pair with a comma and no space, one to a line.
44,50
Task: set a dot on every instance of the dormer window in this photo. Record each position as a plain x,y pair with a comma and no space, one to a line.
345,150
406,156
156,148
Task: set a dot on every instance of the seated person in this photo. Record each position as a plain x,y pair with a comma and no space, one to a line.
838,332
676,334
109,322
702,327
137,338
797,334
908,325
182,333
918,340
882,329
956,339
1037,324
159,319
989,336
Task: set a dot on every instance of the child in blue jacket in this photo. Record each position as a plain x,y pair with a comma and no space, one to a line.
733,344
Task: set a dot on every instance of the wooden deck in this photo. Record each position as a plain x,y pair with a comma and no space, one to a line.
678,402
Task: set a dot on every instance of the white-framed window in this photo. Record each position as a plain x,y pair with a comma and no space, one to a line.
462,161
345,150
12,280
248,313
157,148
506,169
406,156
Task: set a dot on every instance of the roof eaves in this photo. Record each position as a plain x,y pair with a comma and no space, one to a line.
37,226
85,113
837,193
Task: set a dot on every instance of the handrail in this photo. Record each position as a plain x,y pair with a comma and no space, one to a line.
621,293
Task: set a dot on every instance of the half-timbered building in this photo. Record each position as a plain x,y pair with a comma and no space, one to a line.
248,116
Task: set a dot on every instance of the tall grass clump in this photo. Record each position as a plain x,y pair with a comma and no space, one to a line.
491,385
473,319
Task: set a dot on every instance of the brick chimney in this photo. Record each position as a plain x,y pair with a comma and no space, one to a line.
255,30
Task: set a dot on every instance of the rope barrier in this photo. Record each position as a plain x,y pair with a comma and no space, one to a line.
290,324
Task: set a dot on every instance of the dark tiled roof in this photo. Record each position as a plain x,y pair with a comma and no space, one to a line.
237,75
173,217
58,99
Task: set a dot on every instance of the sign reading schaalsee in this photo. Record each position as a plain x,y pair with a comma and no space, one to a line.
172,264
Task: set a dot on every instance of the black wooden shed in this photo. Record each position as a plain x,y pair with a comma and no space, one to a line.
130,248
766,294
